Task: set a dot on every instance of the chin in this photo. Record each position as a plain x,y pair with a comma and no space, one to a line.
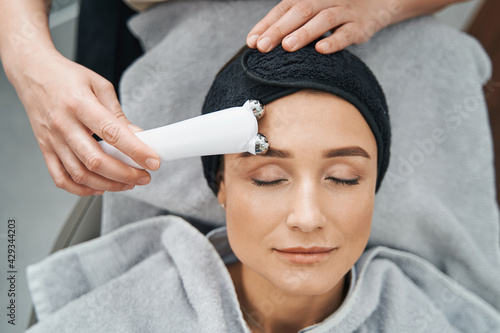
310,290
307,283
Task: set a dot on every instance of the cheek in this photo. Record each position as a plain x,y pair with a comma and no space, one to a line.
354,220
250,219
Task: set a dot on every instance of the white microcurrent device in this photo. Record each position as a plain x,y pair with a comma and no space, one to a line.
228,131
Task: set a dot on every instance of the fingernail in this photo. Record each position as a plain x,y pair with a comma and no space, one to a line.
152,164
291,41
252,40
143,181
134,128
99,193
324,47
265,44
127,187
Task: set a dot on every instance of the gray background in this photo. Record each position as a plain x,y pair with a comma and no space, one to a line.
28,194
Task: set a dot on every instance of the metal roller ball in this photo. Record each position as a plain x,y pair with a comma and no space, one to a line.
257,108
261,144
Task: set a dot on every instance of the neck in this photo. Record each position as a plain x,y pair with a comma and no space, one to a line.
267,308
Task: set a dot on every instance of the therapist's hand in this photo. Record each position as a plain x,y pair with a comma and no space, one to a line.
66,103
296,23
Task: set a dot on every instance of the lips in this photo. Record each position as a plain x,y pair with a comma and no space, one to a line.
304,256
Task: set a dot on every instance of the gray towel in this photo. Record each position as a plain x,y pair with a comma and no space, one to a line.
438,197
158,275
162,275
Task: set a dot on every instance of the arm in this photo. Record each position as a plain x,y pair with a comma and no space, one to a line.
296,23
66,103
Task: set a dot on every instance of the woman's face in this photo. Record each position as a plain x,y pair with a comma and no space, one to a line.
300,216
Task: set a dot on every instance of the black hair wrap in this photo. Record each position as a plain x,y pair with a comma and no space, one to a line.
269,76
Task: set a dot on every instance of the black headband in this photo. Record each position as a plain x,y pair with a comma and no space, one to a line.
269,76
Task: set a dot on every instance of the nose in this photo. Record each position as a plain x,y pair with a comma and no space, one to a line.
305,211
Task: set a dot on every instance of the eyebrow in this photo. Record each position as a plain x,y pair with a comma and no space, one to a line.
331,153
346,151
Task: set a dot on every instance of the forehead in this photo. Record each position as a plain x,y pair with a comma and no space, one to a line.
319,118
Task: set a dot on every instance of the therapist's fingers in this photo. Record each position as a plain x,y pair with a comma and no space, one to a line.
257,33
71,174
77,143
342,37
296,23
324,21
63,180
283,19
106,125
82,176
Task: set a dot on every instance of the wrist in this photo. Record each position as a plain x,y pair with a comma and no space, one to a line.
24,32
386,12
17,60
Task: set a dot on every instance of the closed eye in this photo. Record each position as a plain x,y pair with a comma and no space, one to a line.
348,182
257,182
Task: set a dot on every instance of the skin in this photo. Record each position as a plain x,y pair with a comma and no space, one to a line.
66,102
314,200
